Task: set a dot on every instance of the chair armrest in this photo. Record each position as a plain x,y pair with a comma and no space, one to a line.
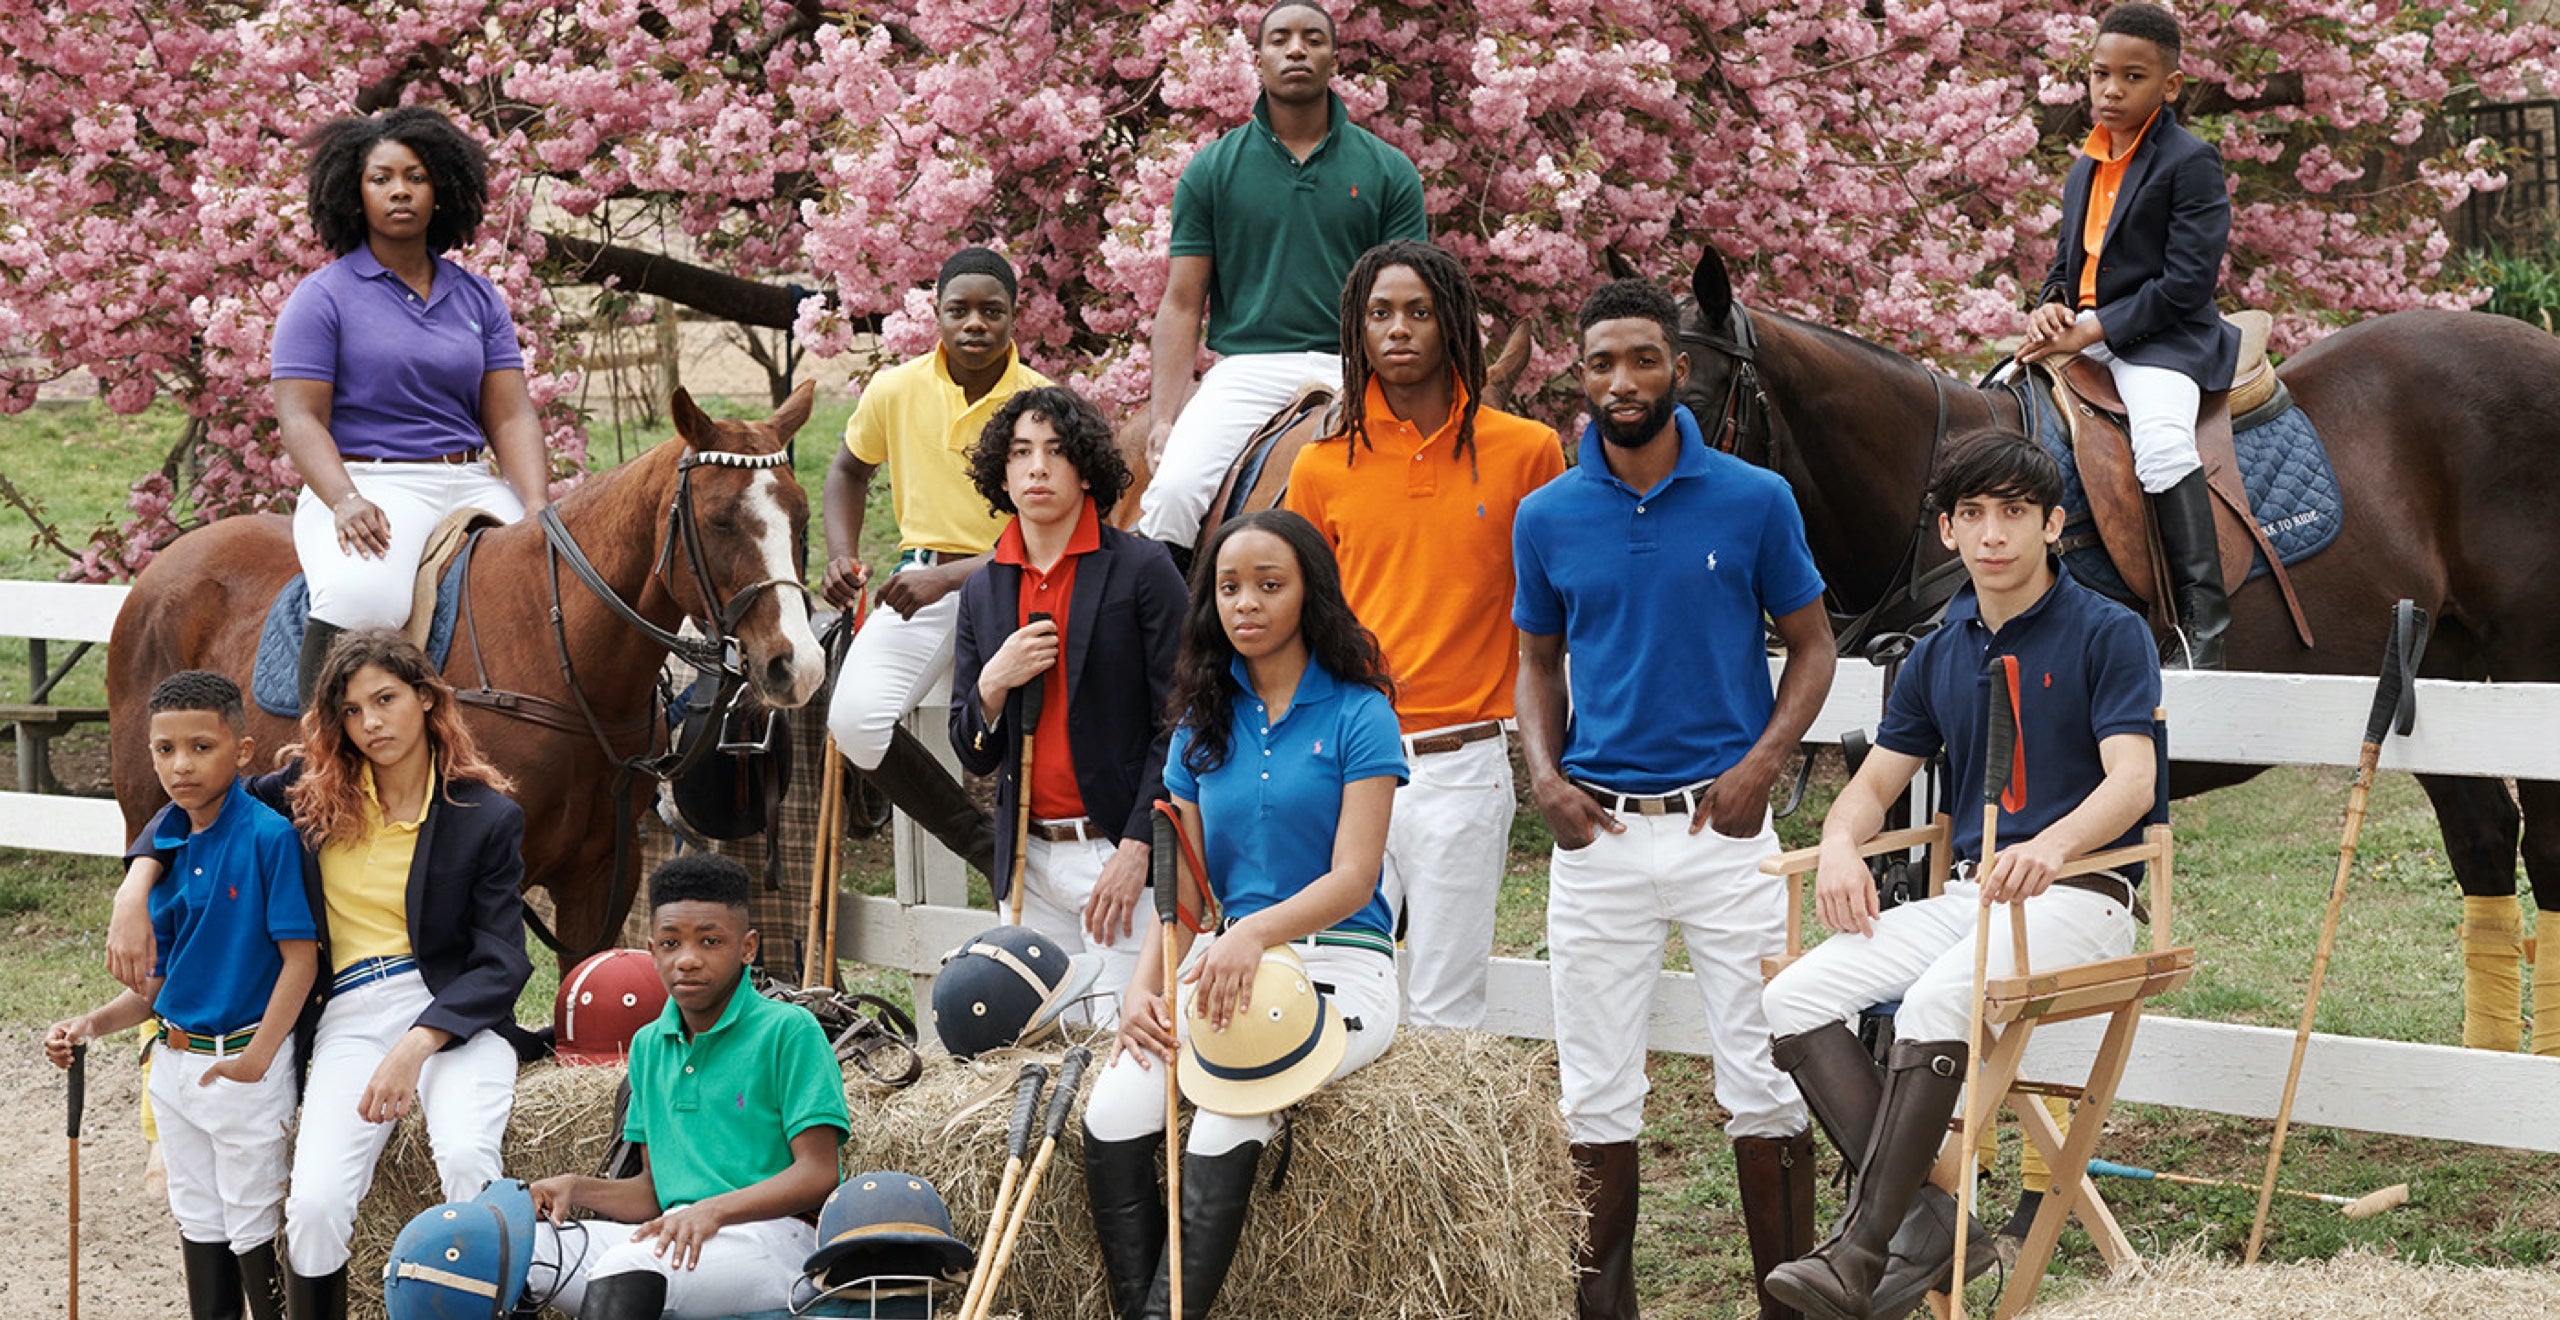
1802,860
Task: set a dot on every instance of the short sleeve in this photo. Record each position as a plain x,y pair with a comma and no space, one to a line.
1179,782
2124,678
1788,579
1403,216
1194,215
499,350
1372,743
1910,727
867,433
1536,607
306,342
280,870
808,1080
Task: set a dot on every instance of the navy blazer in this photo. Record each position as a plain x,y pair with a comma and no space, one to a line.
2162,256
466,904
1124,626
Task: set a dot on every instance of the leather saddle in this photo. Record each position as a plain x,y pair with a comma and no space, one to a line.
2085,393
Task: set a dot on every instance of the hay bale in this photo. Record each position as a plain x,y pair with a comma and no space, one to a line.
2188,1285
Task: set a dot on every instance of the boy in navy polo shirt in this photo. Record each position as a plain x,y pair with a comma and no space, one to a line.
2088,682
737,1107
238,952
1654,563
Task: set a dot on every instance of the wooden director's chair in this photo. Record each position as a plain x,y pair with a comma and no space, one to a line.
2014,1006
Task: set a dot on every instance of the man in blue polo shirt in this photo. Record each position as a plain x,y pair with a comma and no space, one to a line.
1654,563
2083,681
1267,221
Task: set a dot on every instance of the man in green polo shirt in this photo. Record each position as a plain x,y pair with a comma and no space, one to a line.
1266,223
737,1107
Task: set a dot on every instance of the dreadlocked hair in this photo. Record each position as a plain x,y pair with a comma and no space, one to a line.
329,799
1453,305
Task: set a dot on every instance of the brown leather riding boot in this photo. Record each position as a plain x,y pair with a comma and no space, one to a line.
1775,1175
1606,1177
1838,1280
2195,583
911,777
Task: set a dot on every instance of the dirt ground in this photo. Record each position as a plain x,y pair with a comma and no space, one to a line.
128,1244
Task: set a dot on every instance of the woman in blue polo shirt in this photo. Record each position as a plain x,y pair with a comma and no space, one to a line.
396,371
1284,766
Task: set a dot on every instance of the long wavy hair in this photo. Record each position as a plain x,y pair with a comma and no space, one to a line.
1204,691
329,800
1453,305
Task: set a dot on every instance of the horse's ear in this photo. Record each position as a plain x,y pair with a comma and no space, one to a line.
691,422
1619,267
1502,375
1711,286
794,412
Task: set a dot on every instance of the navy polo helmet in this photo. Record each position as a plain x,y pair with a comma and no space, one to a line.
463,1260
1005,987
887,1224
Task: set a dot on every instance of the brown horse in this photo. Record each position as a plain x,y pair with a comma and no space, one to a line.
2444,428
201,603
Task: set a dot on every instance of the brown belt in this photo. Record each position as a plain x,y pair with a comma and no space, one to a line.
1077,830
455,459
2105,884
1450,740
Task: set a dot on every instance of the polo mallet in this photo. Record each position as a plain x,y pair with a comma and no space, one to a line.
1164,871
1017,1143
1027,700
2353,1207
1999,752
2395,709
1062,1098
79,1088
818,952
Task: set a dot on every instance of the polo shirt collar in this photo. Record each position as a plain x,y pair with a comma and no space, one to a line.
2095,146
185,828
368,266
1316,684
1377,413
1692,461
1005,384
1337,114
1084,540
1966,606
671,1018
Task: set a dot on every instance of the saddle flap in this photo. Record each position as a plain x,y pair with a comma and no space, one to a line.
442,545
2253,381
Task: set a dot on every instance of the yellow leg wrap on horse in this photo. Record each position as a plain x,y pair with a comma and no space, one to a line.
2546,983
2492,974
2033,1176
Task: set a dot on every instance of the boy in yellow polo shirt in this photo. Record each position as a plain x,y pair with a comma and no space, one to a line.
919,418
1416,493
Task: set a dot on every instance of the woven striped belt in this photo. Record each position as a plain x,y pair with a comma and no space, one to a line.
366,971
1340,937
232,1042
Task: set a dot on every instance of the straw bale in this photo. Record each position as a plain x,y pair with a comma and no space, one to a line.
2360,1285
1433,1183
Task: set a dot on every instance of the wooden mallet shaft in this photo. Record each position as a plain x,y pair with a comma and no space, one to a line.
1062,1100
1027,701
1017,1143
1164,872
79,1088
820,941
2000,745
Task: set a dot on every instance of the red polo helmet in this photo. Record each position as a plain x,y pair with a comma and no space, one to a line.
603,1003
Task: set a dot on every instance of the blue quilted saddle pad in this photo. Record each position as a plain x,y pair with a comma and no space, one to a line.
271,683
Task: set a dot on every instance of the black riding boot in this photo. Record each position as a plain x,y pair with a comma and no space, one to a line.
1775,1175
1838,1281
631,1295
316,639
1607,1178
1128,1215
261,1281
213,1279
1217,1190
910,777
320,1297
1843,1086
2187,540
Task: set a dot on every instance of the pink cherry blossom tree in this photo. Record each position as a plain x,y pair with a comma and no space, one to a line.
1891,167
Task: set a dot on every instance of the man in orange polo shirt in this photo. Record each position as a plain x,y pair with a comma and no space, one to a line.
1416,491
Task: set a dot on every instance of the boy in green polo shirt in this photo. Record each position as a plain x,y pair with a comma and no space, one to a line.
737,1107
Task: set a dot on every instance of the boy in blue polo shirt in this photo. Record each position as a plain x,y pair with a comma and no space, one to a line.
2087,683
238,951
737,1106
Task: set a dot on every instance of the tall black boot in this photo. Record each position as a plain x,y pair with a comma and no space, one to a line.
2203,607
1843,1085
910,776
1128,1215
631,1295
316,1297
1775,1175
1838,1281
213,1279
261,1281
1217,1190
1607,1178
316,640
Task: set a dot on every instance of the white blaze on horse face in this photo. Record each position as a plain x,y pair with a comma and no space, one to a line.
769,527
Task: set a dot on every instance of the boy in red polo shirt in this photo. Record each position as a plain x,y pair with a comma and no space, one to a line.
2145,217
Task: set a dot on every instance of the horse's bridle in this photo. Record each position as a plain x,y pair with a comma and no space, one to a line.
1744,401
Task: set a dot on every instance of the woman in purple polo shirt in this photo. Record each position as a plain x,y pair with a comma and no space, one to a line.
396,372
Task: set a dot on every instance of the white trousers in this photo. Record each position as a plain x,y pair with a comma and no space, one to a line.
352,591
1236,396
1128,1099
1447,845
1922,953
1611,908
742,1268
894,661
1057,881
2159,414
226,1146
465,1093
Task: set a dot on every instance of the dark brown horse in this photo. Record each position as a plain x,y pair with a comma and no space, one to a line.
2444,428
201,602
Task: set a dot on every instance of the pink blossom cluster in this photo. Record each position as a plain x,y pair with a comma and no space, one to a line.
1891,167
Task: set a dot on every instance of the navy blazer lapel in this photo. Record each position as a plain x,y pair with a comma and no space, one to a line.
427,832
2146,154
1091,578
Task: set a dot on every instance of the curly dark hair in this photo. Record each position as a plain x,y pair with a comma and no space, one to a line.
1082,433
2150,23
700,878
1453,303
1621,300
1204,690
204,690
456,165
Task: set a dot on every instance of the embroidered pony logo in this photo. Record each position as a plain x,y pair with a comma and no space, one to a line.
1318,749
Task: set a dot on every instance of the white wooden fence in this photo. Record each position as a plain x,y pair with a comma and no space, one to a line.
2433,1091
